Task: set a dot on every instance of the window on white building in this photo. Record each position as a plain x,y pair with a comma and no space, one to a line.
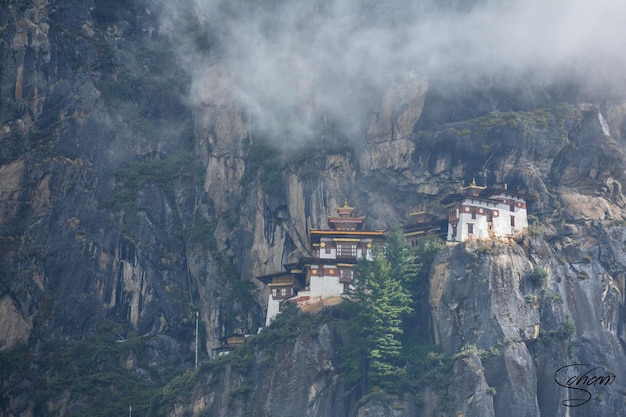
512,221
470,228
346,250
345,274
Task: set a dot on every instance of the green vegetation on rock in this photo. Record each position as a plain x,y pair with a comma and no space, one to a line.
538,277
386,350
98,368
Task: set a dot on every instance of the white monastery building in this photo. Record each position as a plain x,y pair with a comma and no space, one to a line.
485,213
327,274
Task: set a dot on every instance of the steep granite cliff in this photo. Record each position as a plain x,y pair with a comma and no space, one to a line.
137,188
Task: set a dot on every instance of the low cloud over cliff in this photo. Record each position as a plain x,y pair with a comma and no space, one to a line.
290,62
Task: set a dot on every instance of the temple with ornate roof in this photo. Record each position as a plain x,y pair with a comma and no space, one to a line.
324,277
475,212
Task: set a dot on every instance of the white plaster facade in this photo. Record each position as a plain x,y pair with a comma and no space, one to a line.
276,297
325,287
282,287
491,215
273,308
332,274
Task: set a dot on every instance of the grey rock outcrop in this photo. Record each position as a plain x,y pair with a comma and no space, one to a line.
125,208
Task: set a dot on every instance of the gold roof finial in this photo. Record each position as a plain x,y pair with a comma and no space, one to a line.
473,186
346,210
346,206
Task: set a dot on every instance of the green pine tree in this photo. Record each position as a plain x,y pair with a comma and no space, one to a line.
380,299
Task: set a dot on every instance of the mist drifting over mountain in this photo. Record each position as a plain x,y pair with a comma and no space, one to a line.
157,156
288,57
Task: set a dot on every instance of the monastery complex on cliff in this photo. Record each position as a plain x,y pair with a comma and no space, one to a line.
476,212
328,273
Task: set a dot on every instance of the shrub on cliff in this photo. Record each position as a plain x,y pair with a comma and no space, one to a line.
538,277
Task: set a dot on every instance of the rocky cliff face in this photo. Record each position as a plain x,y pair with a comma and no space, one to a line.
125,208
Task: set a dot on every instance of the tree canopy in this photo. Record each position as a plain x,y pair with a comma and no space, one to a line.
383,293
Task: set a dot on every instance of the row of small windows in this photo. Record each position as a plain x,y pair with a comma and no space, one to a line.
470,226
346,250
282,292
489,215
343,251
452,212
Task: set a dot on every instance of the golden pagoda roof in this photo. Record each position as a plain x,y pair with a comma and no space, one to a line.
346,206
345,211
474,186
